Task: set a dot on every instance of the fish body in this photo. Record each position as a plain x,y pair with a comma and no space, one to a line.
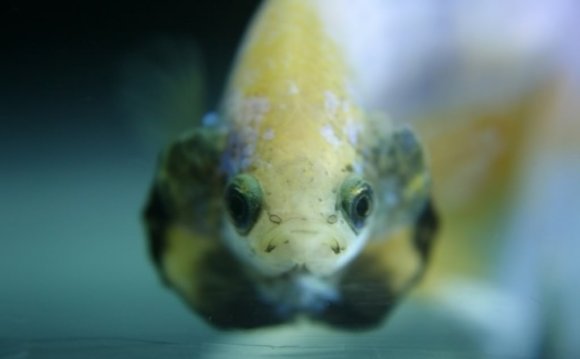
300,201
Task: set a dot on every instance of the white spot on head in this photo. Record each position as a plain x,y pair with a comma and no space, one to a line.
328,133
331,102
253,109
293,88
247,114
268,134
351,131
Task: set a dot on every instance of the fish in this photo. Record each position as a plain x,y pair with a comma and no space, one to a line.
295,199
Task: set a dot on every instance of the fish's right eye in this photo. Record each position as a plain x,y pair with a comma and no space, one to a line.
356,201
243,200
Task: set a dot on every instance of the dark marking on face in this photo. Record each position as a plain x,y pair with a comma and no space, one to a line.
269,248
336,248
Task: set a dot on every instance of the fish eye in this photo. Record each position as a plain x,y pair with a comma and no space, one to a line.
243,200
356,201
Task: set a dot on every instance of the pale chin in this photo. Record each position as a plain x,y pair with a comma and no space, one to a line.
313,257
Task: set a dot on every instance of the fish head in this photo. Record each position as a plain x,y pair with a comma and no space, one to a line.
303,214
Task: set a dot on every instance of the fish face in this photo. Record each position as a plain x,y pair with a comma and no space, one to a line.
297,218
288,206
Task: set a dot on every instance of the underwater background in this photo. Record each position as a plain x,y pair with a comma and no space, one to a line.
78,150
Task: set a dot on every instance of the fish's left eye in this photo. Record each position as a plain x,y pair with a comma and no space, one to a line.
356,201
243,200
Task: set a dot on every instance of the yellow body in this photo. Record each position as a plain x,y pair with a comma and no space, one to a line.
289,106
288,95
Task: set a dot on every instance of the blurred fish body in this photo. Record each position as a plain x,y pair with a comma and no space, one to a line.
298,199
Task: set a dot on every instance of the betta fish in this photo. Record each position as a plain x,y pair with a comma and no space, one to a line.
300,200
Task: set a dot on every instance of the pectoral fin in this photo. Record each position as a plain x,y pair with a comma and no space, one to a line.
183,219
404,230
384,272
402,182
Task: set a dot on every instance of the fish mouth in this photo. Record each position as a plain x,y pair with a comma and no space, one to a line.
304,270
301,247
301,271
298,269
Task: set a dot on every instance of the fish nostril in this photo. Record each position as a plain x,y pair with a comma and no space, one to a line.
332,219
275,219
